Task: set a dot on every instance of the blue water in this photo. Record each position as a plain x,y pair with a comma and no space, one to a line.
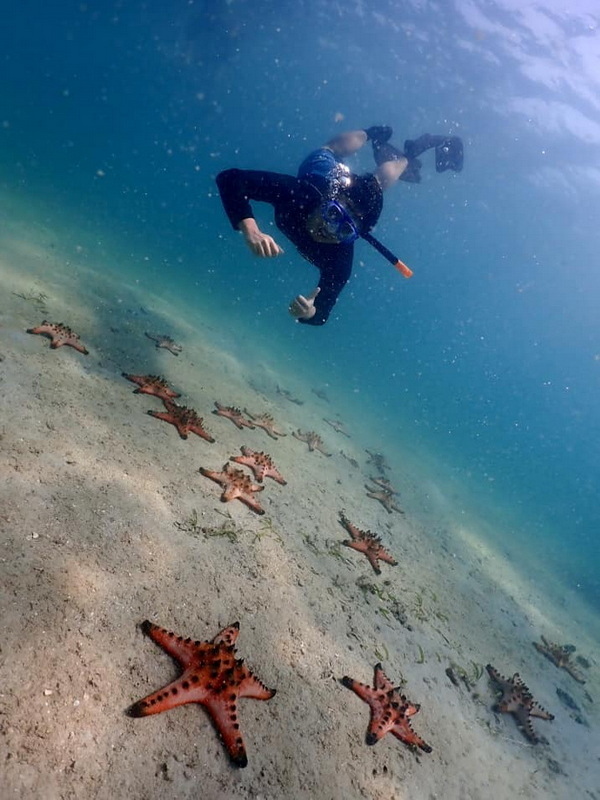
118,115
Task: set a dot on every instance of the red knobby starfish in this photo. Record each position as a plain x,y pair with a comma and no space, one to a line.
390,710
560,656
234,414
185,419
152,384
166,343
266,422
385,497
367,543
312,439
212,677
60,334
261,465
516,699
236,486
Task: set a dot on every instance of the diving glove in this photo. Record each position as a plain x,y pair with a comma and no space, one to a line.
378,133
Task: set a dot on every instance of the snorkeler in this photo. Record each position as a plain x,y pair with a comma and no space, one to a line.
327,208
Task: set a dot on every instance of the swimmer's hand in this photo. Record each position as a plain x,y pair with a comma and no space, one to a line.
304,307
260,243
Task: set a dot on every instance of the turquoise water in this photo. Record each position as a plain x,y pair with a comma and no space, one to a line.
118,115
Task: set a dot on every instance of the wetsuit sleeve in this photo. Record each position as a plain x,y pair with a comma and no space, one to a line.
237,187
335,273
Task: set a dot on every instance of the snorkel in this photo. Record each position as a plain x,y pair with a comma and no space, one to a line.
402,268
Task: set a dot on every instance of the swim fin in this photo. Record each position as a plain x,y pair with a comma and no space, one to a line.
449,152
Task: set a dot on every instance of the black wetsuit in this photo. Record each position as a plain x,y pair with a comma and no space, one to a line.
294,200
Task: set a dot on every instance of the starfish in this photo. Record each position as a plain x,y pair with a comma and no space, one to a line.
261,465
152,384
321,394
288,396
167,343
266,422
516,699
337,426
385,497
212,677
367,543
60,334
560,656
234,414
384,483
312,439
378,461
185,419
390,710
236,486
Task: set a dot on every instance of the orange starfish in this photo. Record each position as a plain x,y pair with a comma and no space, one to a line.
390,710
236,486
337,425
212,677
367,543
516,699
185,419
167,343
261,465
151,384
266,422
312,439
234,414
560,656
385,497
60,334
378,461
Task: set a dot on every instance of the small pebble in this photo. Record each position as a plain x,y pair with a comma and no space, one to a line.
47,692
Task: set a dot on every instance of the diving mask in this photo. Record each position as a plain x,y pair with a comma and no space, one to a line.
338,222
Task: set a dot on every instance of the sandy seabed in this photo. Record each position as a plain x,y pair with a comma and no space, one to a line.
106,521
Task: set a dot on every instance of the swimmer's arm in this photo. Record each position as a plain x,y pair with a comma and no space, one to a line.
261,244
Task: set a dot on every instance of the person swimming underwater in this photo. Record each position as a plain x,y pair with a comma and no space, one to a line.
327,208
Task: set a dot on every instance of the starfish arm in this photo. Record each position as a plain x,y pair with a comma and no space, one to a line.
380,680
383,555
167,417
212,474
78,346
228,635
574,673
523,717
402,730
373,561
199,431
321,449
223,712
361,689
252,503
537,711
179,692
251,686
184,651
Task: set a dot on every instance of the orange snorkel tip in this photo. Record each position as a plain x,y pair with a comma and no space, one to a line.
403,269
